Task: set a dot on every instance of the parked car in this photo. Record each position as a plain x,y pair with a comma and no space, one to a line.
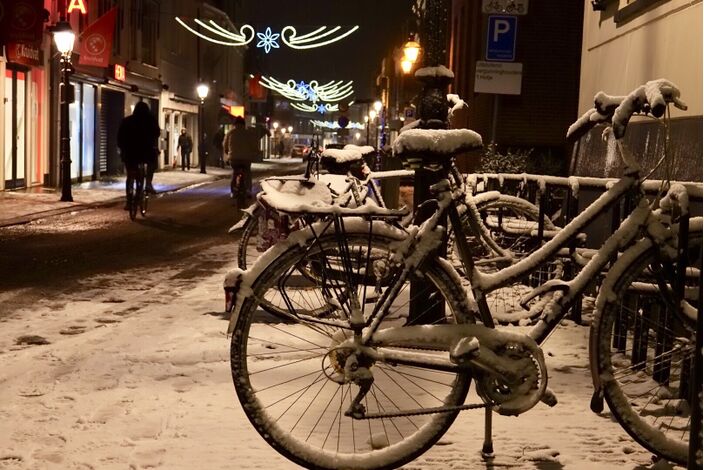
298,150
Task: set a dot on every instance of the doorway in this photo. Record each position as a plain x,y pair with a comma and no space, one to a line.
15,127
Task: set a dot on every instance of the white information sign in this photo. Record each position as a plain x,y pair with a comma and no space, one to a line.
506,7
500,78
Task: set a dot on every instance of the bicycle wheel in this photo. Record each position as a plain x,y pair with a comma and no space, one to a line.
512,224
143,201
282,366
247,252
642,348
132,197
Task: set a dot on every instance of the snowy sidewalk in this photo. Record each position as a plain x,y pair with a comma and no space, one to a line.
124,377
35,203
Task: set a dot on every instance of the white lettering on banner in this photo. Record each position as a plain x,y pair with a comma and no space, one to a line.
500,78
502,27
27,52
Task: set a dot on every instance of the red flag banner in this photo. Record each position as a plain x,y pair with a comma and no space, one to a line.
96,41
21,21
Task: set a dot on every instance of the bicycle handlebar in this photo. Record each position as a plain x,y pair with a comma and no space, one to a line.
651,98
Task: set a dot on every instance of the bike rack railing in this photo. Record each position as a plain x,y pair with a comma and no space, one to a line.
565,196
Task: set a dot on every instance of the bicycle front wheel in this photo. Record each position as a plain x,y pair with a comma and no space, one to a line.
643,348
283,365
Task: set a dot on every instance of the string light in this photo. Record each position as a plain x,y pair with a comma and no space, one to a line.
316,108
268,40
335,125
330,92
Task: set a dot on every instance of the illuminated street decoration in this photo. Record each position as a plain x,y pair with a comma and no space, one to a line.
316,108
313,92
334,125
268,40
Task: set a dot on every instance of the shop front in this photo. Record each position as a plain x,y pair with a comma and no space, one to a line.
176,113
23,130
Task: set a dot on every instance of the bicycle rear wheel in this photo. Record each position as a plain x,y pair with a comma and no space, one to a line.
643,348
132,199
283,365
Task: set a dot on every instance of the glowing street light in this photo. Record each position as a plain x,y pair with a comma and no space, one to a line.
372,115
290,129
377,106
275,125
406,66
202,90
411,51
64,38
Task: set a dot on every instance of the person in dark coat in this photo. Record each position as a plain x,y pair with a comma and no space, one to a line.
138,140
185,144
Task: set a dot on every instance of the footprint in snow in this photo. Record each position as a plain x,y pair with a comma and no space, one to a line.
73,330
31,340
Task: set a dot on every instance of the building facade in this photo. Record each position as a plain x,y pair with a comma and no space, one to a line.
152,60
626,44
544,41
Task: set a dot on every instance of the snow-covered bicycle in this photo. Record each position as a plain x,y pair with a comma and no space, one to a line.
380,377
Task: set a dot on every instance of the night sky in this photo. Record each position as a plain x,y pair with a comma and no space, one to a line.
383,24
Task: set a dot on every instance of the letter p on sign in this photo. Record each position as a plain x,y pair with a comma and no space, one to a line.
501,38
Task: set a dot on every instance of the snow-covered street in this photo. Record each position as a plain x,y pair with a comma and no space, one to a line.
139,377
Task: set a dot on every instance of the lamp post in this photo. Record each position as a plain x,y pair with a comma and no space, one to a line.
202,90
372,122
275,125
366,121
64,38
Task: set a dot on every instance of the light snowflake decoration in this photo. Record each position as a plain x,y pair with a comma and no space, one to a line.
321,108
268,40
330,92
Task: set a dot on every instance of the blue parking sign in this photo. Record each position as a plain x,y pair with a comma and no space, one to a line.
501,38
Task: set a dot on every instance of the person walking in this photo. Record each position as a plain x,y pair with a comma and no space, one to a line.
241,148
138,141
185,144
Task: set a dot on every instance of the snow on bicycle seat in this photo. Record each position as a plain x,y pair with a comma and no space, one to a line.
363,149
435,144
312,196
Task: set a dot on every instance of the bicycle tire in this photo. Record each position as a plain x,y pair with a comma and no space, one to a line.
132,200
302,438
522,217
639,351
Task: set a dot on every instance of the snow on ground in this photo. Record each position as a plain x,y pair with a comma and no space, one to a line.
138,377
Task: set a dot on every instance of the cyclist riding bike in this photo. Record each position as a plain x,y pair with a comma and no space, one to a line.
241,149
138,139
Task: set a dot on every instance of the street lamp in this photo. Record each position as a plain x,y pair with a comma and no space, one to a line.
290,129
202,90
275,125
406,66
411,51
64,38
377,106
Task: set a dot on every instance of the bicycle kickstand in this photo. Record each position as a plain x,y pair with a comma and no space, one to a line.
488,446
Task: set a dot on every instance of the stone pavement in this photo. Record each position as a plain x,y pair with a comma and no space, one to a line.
19,207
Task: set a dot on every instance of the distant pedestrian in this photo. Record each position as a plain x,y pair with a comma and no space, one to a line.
138,140
185,144
280,148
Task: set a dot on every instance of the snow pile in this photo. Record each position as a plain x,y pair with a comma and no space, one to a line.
342,155
363,149
456,102
295,195
436,141
439,71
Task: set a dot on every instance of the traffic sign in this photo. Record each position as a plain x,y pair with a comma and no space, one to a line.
507,7
501,38
499,78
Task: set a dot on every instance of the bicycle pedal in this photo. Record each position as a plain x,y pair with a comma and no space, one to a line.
549,398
